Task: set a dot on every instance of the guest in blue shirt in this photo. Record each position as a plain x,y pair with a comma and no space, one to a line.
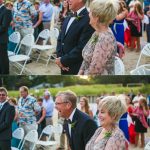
47,9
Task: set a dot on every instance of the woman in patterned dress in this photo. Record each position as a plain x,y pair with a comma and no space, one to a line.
109,136
99,52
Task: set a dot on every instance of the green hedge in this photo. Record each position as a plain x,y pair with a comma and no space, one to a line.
93,90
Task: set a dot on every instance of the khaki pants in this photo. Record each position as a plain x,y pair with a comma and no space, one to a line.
27,128
47,25
23,32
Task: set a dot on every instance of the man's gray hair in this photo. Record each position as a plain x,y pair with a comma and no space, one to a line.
68,96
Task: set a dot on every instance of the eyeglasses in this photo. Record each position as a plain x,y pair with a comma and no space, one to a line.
59,103
2,94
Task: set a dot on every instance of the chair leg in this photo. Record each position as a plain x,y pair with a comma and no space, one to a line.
138,61
23,67
49,57
38,57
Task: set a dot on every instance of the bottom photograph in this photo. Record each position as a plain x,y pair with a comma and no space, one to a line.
74,112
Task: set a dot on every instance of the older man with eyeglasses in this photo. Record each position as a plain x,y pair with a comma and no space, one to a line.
7,114
79,126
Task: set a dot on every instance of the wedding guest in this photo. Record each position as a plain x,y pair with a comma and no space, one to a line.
135,18
47,8
75,33
37,20
99,52
141,113
7,114
79,126
64,12
5,19
13,102
41,121
27,108
23,12
118,23
49,105
85,106
109,136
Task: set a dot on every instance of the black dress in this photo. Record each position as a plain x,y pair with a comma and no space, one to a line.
139,128
134,31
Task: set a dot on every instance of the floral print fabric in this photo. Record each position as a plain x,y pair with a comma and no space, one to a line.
98,54
115,142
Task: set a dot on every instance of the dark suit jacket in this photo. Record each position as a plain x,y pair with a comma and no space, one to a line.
7,114
71,44
5,19
82,131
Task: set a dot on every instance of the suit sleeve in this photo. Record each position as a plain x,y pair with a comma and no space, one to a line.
6,21
10,114
76,53
58,45
89,130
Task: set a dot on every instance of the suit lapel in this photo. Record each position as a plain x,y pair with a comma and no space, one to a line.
71,28
1,9
74,127
67,132
4,106
65,26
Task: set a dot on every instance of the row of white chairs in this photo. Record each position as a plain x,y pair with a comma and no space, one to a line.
143,69
30,42
32,137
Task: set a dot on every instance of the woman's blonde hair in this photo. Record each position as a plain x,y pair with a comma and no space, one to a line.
114,106
105,10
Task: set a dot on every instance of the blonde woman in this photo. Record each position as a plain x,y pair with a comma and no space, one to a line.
98,54
85,106
109,136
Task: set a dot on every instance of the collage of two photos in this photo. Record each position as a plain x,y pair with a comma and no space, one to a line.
74,75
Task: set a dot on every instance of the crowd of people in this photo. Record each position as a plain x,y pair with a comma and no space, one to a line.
116,122
90,37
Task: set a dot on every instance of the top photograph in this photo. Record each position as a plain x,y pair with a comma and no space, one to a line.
75,37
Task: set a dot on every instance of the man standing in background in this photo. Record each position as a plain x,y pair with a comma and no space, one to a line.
5,19
7,114
27,107
48,104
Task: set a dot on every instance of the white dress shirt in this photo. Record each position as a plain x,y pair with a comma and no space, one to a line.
73,18
71,118
2,104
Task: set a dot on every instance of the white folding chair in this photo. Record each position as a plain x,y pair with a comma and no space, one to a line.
147,147
48,131
45,35
119,66
58,129
54,33
145,51
141,70
14,38
31,137
27,41
18,134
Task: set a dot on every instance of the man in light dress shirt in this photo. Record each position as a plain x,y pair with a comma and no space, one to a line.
79,126
49,105
47,8
27,108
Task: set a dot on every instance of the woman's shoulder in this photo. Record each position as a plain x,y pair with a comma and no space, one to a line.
118,134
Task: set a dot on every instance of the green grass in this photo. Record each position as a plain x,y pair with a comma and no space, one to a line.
87,90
